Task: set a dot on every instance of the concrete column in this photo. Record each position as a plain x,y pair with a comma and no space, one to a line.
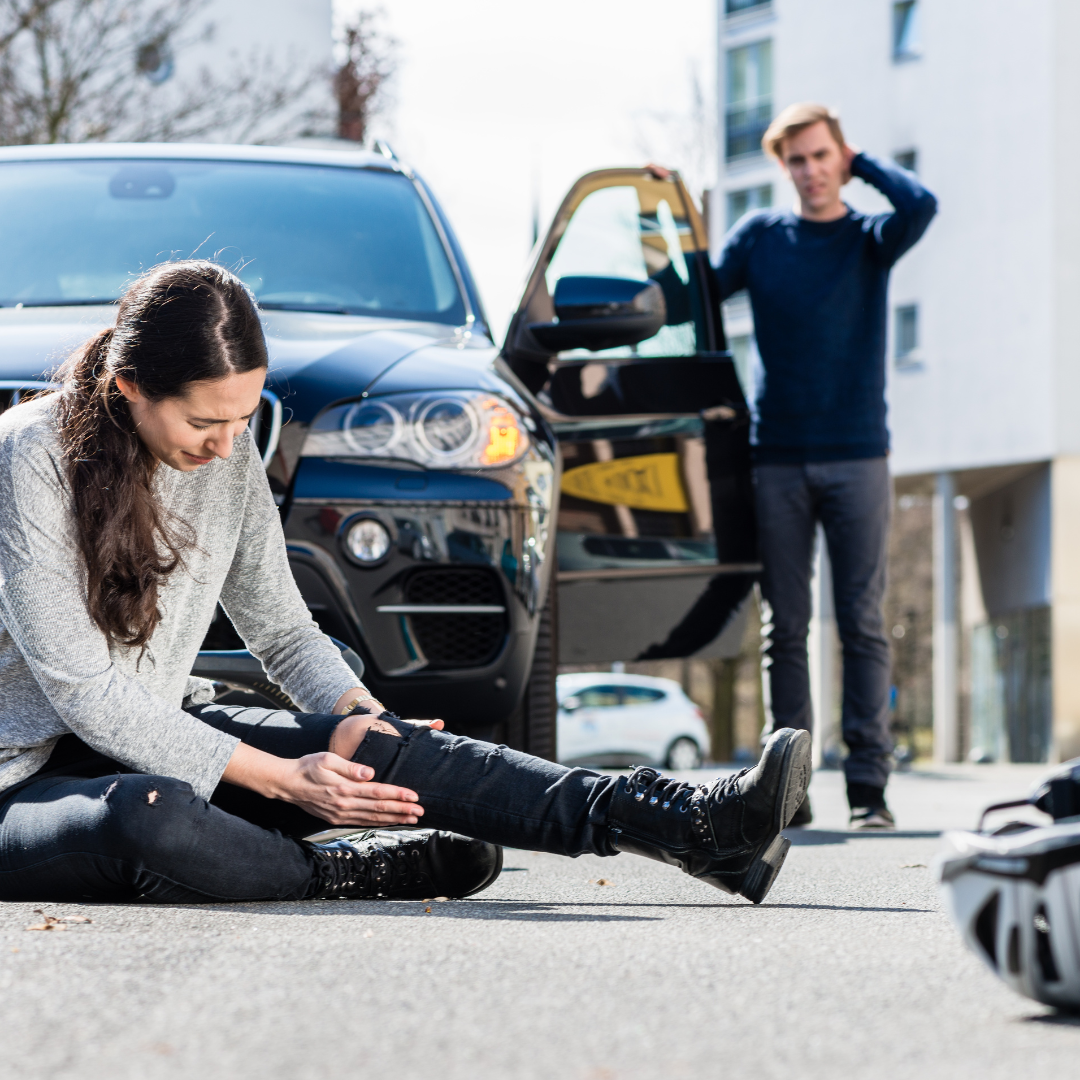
946,641
822,652
1065,606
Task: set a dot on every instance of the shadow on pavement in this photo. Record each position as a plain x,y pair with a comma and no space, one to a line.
811,837
850,907
480,908
1060,1019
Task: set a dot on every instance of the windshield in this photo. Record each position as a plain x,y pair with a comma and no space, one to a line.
304,237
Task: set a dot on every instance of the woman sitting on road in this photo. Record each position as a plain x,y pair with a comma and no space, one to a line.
133,501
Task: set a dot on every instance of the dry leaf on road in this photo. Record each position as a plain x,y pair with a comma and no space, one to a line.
53,923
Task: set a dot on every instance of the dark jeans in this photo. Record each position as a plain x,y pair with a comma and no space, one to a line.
86,828
852,500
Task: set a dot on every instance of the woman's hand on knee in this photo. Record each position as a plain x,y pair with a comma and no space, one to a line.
341,793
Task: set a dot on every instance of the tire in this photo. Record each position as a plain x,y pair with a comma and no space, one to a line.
683,754
532,725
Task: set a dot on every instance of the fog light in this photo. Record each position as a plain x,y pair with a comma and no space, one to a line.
367,541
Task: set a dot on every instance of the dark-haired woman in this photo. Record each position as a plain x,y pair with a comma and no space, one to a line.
131,503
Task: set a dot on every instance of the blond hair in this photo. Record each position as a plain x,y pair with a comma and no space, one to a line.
796,118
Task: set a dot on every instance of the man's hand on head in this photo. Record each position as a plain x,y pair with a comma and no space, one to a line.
850,153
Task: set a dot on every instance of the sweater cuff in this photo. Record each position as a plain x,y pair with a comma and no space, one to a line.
206,777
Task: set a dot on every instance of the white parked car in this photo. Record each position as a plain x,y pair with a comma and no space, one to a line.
616,720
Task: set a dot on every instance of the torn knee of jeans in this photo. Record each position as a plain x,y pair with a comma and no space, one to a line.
382,727
110,789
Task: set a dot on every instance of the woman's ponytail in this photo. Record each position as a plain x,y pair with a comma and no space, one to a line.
180,323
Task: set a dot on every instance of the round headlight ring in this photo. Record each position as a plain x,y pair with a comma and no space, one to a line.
372,427
366,541
446,427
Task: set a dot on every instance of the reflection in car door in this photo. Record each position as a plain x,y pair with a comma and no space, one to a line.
638,519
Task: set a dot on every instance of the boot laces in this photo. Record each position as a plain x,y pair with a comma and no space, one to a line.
651,786
365,866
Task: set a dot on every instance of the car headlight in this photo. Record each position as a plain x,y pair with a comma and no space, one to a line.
451,429
367,541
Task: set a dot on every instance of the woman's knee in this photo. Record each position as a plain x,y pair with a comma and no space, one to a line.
352,731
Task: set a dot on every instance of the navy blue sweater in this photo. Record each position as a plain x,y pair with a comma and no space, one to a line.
818,292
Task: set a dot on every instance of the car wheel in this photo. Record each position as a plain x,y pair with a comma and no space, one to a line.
532,725
683,754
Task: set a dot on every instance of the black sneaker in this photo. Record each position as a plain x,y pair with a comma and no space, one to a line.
872,817
402,864
727,833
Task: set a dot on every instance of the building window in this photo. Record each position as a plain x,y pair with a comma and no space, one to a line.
742,202
906,346
737,7
907,159
906,44
749,98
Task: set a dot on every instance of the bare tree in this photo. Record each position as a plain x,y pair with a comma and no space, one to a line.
683,140
360,80
95,70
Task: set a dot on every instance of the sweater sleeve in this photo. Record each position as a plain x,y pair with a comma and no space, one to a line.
731,265
913,206
263,602
43,607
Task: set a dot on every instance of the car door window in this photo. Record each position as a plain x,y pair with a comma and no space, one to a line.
641,695
640,231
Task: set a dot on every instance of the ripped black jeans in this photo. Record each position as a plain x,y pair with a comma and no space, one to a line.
85,828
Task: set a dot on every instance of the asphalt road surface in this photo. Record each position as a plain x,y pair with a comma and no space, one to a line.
850,969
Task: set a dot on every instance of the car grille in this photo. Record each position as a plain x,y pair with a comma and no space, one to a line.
457,641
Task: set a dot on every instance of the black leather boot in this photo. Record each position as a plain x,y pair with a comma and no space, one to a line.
727,833
402,864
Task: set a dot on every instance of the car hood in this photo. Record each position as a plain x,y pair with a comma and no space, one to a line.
315,359
309,372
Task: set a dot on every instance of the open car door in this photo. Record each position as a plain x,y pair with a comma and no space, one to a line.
619,336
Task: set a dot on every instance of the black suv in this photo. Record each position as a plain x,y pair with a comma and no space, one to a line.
417,465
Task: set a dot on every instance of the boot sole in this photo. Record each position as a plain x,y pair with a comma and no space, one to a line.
763,871
794,780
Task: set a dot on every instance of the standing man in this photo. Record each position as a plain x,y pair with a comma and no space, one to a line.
817,276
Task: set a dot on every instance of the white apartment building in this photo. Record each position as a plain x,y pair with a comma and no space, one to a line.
264,39
982,100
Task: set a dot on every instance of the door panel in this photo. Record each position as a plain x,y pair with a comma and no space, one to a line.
654,435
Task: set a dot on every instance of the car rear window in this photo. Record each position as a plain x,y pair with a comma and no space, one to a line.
304,237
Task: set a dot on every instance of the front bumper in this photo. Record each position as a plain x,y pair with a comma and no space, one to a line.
460,542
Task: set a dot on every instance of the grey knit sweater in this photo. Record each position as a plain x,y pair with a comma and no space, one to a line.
58,672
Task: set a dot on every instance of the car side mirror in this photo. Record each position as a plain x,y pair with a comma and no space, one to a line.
602,313
570,704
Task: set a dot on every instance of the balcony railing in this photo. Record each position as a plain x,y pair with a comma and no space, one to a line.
737,7
744,126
